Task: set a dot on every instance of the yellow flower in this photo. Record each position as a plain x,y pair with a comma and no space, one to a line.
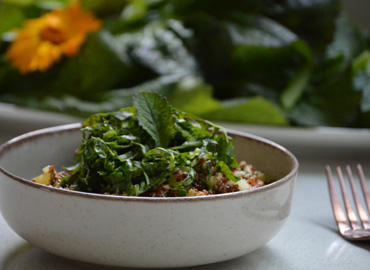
43,41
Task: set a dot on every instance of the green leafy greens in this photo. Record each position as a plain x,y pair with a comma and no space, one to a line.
259,61
135,149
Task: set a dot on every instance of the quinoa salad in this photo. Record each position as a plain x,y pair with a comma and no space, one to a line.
154,150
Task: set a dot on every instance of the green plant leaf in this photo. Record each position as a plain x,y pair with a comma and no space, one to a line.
11,17
255,110
348,40
135,10
155,116
361,62
21,3
296,87
97,67
226,170
103,7
259,31
194,96
159,48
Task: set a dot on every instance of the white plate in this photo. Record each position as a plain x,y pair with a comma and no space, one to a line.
21,119
315,141
15,120
321,141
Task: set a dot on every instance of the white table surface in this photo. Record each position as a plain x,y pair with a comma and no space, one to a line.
309,239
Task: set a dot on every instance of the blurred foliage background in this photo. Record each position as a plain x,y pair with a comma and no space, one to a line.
268,62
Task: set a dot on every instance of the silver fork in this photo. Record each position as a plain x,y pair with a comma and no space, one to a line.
349,226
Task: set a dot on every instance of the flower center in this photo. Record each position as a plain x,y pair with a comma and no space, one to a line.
53,34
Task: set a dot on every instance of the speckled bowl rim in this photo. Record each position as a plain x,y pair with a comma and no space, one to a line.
77,126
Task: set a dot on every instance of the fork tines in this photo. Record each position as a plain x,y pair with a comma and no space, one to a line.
348,224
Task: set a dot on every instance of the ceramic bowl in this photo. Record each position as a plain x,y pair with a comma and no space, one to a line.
140,232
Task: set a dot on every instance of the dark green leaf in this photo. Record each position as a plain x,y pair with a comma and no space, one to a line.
97,57
348,41
155,116
259,31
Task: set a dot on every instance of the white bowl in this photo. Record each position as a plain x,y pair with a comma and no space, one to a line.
138,231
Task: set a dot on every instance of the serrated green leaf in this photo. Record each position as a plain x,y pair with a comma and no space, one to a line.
155,116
